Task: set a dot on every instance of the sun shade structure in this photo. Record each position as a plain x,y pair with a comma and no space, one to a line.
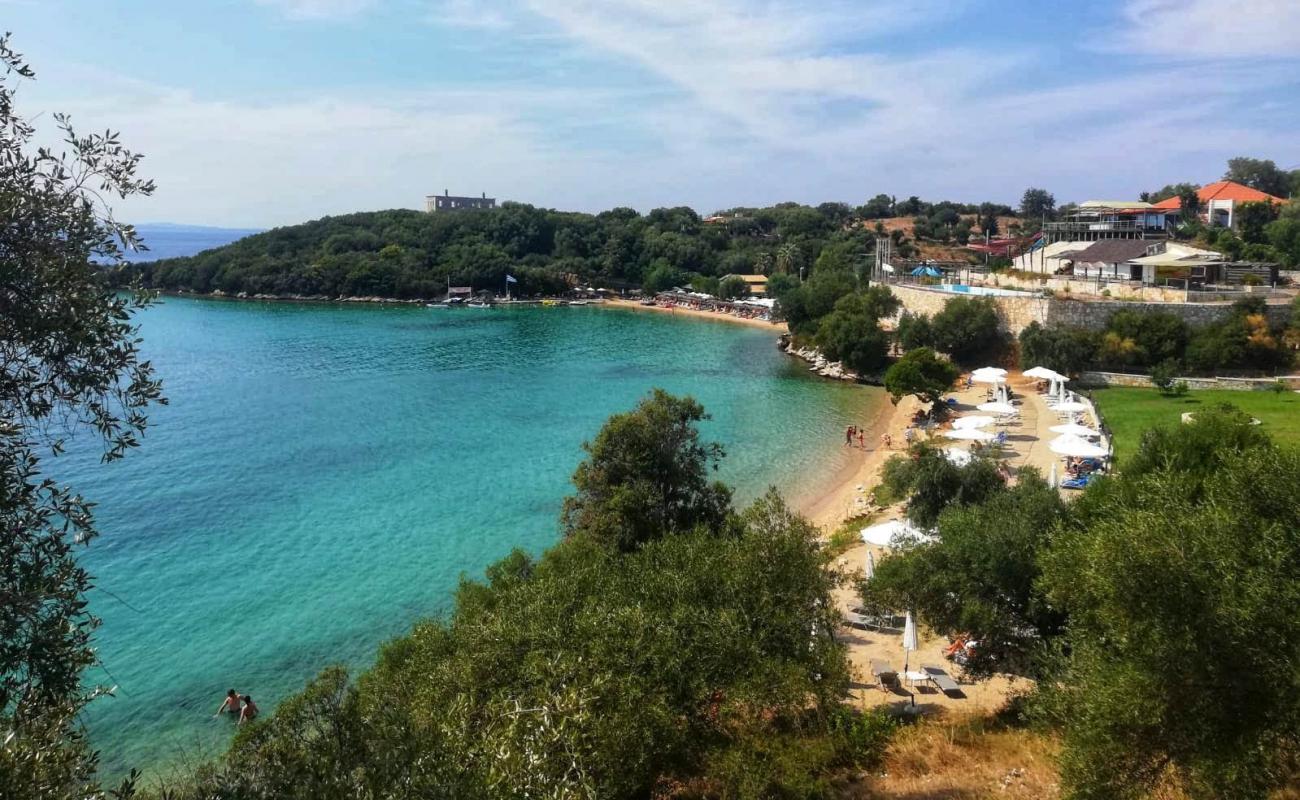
1070,406
970,434
989,371
986,377
973,422
998,408
1074,429
958,456
1042,373
884,533
1075,447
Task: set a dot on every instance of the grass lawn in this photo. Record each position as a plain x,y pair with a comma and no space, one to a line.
1129,412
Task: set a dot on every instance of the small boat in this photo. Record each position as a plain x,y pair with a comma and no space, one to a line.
437,305
549,302
478,304
579,302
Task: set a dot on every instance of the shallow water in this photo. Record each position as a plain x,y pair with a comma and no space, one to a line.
325,473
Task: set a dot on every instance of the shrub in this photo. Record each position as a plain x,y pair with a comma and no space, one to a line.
1162,376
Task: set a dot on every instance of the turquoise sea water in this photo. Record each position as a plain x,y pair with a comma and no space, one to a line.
325,473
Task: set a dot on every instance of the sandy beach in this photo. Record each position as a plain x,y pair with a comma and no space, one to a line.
776,327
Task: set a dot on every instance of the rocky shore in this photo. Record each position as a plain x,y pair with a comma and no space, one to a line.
821,365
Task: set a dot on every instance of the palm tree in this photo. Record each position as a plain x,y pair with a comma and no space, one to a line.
789,257
763,262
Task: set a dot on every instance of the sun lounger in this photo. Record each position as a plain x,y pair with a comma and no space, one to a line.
856,620
941,679
1075,483
885,675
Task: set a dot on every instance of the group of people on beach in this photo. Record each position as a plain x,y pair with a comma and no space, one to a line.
855,435
241,706
672,300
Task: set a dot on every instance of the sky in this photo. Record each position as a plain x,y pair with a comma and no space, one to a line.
257,113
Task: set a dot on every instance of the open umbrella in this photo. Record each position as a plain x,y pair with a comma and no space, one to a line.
973,422
958,456
1070,406
989,371
1042,373
884,533
910,641
998,408
1075,447
970,434
986,377
1074,429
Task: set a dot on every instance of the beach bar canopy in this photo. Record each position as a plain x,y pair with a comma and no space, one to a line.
1075,447
973,422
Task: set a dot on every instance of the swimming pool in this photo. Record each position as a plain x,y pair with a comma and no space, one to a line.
961,288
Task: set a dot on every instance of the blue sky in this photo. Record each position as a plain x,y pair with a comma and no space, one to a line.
270,112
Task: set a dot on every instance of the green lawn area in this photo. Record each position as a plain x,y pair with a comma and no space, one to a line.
1129,412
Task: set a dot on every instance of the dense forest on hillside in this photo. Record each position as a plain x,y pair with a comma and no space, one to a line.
411,254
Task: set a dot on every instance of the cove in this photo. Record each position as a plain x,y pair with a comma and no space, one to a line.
325,474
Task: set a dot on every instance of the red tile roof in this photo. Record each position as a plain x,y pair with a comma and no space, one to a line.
1223,190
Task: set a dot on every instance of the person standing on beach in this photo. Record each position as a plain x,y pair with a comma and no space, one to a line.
848,435
887,440
862,439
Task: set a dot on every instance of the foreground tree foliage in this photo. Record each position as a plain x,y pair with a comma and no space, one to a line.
851,333
979,575
1179,582
931,482
68,363
697,663
646,476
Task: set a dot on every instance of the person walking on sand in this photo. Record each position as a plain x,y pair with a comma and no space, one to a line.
848,435
230,705
249,710
907,435
862,439
887,440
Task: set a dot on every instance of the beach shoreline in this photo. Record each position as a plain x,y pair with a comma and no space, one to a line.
775,327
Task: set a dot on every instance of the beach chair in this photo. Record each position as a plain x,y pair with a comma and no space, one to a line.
885,675
941,679
856,620
1076,483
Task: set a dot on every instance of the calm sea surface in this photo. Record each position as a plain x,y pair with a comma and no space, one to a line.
324,474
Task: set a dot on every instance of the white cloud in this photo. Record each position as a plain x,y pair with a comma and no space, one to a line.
318,9
1197,29
469,14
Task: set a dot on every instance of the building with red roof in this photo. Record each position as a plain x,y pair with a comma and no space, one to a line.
1219,201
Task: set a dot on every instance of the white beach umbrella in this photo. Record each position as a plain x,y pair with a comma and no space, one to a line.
997,408
986,377
1069,407
1074,429
974,421
1075,447
970,434
958,456
910,639
871,565
882,534
1042,373
1051,475
989,371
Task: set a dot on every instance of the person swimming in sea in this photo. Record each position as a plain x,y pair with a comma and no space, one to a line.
230,705
249,710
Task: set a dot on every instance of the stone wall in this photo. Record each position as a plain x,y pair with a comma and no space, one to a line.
1101,379
1018,311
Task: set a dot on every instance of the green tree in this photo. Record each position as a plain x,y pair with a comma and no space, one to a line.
1284,234
1065,350
647,475
1252,219
931,482
804,306
1261,174
851,333
914,331
1037,205
921,373
71,365
733,288
1180,590
979,576
789,258
662,277
967,328
1189,204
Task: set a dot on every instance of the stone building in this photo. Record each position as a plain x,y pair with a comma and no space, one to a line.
446,202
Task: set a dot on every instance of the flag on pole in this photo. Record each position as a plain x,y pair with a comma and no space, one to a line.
511,279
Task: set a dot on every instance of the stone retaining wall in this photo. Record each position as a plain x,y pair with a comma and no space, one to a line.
1017,312
1105,379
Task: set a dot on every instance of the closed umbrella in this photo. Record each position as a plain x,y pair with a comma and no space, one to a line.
1074,429
970,434
910,642
973,422
1051,477
871,565
1075,447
